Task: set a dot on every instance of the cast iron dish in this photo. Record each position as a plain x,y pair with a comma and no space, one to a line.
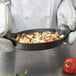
38,46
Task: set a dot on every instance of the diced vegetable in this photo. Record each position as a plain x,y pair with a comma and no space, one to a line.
38,37
25,73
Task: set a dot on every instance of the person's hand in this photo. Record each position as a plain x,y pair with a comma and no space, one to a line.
5,19
66,15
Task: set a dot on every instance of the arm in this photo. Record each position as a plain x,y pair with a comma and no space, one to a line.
5,18
66,15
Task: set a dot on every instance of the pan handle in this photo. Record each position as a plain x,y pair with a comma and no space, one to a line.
66,29
8,36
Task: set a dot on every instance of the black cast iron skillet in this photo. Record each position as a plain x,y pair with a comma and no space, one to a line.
39,46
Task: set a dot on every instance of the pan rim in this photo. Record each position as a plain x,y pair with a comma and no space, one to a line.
47,29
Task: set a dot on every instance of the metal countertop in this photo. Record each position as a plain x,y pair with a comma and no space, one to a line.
45,62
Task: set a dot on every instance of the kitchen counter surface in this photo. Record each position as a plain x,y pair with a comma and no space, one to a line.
45,62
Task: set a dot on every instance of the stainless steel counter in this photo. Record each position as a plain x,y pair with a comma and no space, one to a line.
46,62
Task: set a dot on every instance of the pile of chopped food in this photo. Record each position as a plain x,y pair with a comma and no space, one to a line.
38,37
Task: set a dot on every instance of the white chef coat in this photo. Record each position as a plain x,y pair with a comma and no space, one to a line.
32,14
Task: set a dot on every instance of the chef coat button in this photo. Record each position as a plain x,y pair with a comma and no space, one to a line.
47,16
26,17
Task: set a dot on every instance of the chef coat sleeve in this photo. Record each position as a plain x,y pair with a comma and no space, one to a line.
5,18
66,15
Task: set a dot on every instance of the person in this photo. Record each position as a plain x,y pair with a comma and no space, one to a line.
7,49
32,14
19,15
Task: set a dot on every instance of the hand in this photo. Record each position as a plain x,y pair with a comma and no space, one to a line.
66,15
5,19
72,37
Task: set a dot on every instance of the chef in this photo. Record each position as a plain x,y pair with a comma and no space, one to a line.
20,15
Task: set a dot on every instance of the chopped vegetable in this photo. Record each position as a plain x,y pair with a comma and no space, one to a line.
17,74
38,37
25,73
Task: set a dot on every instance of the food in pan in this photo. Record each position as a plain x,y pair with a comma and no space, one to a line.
38,37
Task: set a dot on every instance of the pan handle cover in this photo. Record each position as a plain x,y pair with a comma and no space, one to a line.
65,29
8,36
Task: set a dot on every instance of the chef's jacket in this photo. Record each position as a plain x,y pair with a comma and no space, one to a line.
32,14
